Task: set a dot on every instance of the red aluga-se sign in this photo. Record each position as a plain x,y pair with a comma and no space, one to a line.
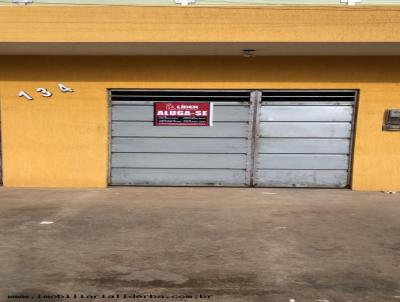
183,114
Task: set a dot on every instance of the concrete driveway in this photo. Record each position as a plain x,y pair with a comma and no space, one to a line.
199,244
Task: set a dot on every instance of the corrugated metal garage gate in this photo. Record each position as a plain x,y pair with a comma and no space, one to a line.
144,154
262,138
304,138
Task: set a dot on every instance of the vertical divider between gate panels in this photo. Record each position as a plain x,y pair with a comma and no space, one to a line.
255,101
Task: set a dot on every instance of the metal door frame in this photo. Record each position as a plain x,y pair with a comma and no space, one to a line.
352,136
352,139
1,147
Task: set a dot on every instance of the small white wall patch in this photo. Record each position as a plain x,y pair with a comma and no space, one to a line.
24,2
45,93
47,222
25,95
350,2
185,2
64,88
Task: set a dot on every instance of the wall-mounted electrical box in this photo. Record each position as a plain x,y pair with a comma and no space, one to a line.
392,120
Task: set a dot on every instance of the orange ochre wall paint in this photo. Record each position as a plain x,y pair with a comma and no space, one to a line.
279,23
63,141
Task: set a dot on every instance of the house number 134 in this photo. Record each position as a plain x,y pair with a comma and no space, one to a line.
44,92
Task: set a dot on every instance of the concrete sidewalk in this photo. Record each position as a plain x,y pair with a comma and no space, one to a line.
235,245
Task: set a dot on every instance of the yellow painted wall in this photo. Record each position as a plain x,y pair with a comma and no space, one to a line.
63,141
200,24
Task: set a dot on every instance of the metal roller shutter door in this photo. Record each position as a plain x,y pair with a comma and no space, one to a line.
304,139
143,154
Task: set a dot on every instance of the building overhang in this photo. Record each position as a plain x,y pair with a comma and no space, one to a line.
226,31
201,49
